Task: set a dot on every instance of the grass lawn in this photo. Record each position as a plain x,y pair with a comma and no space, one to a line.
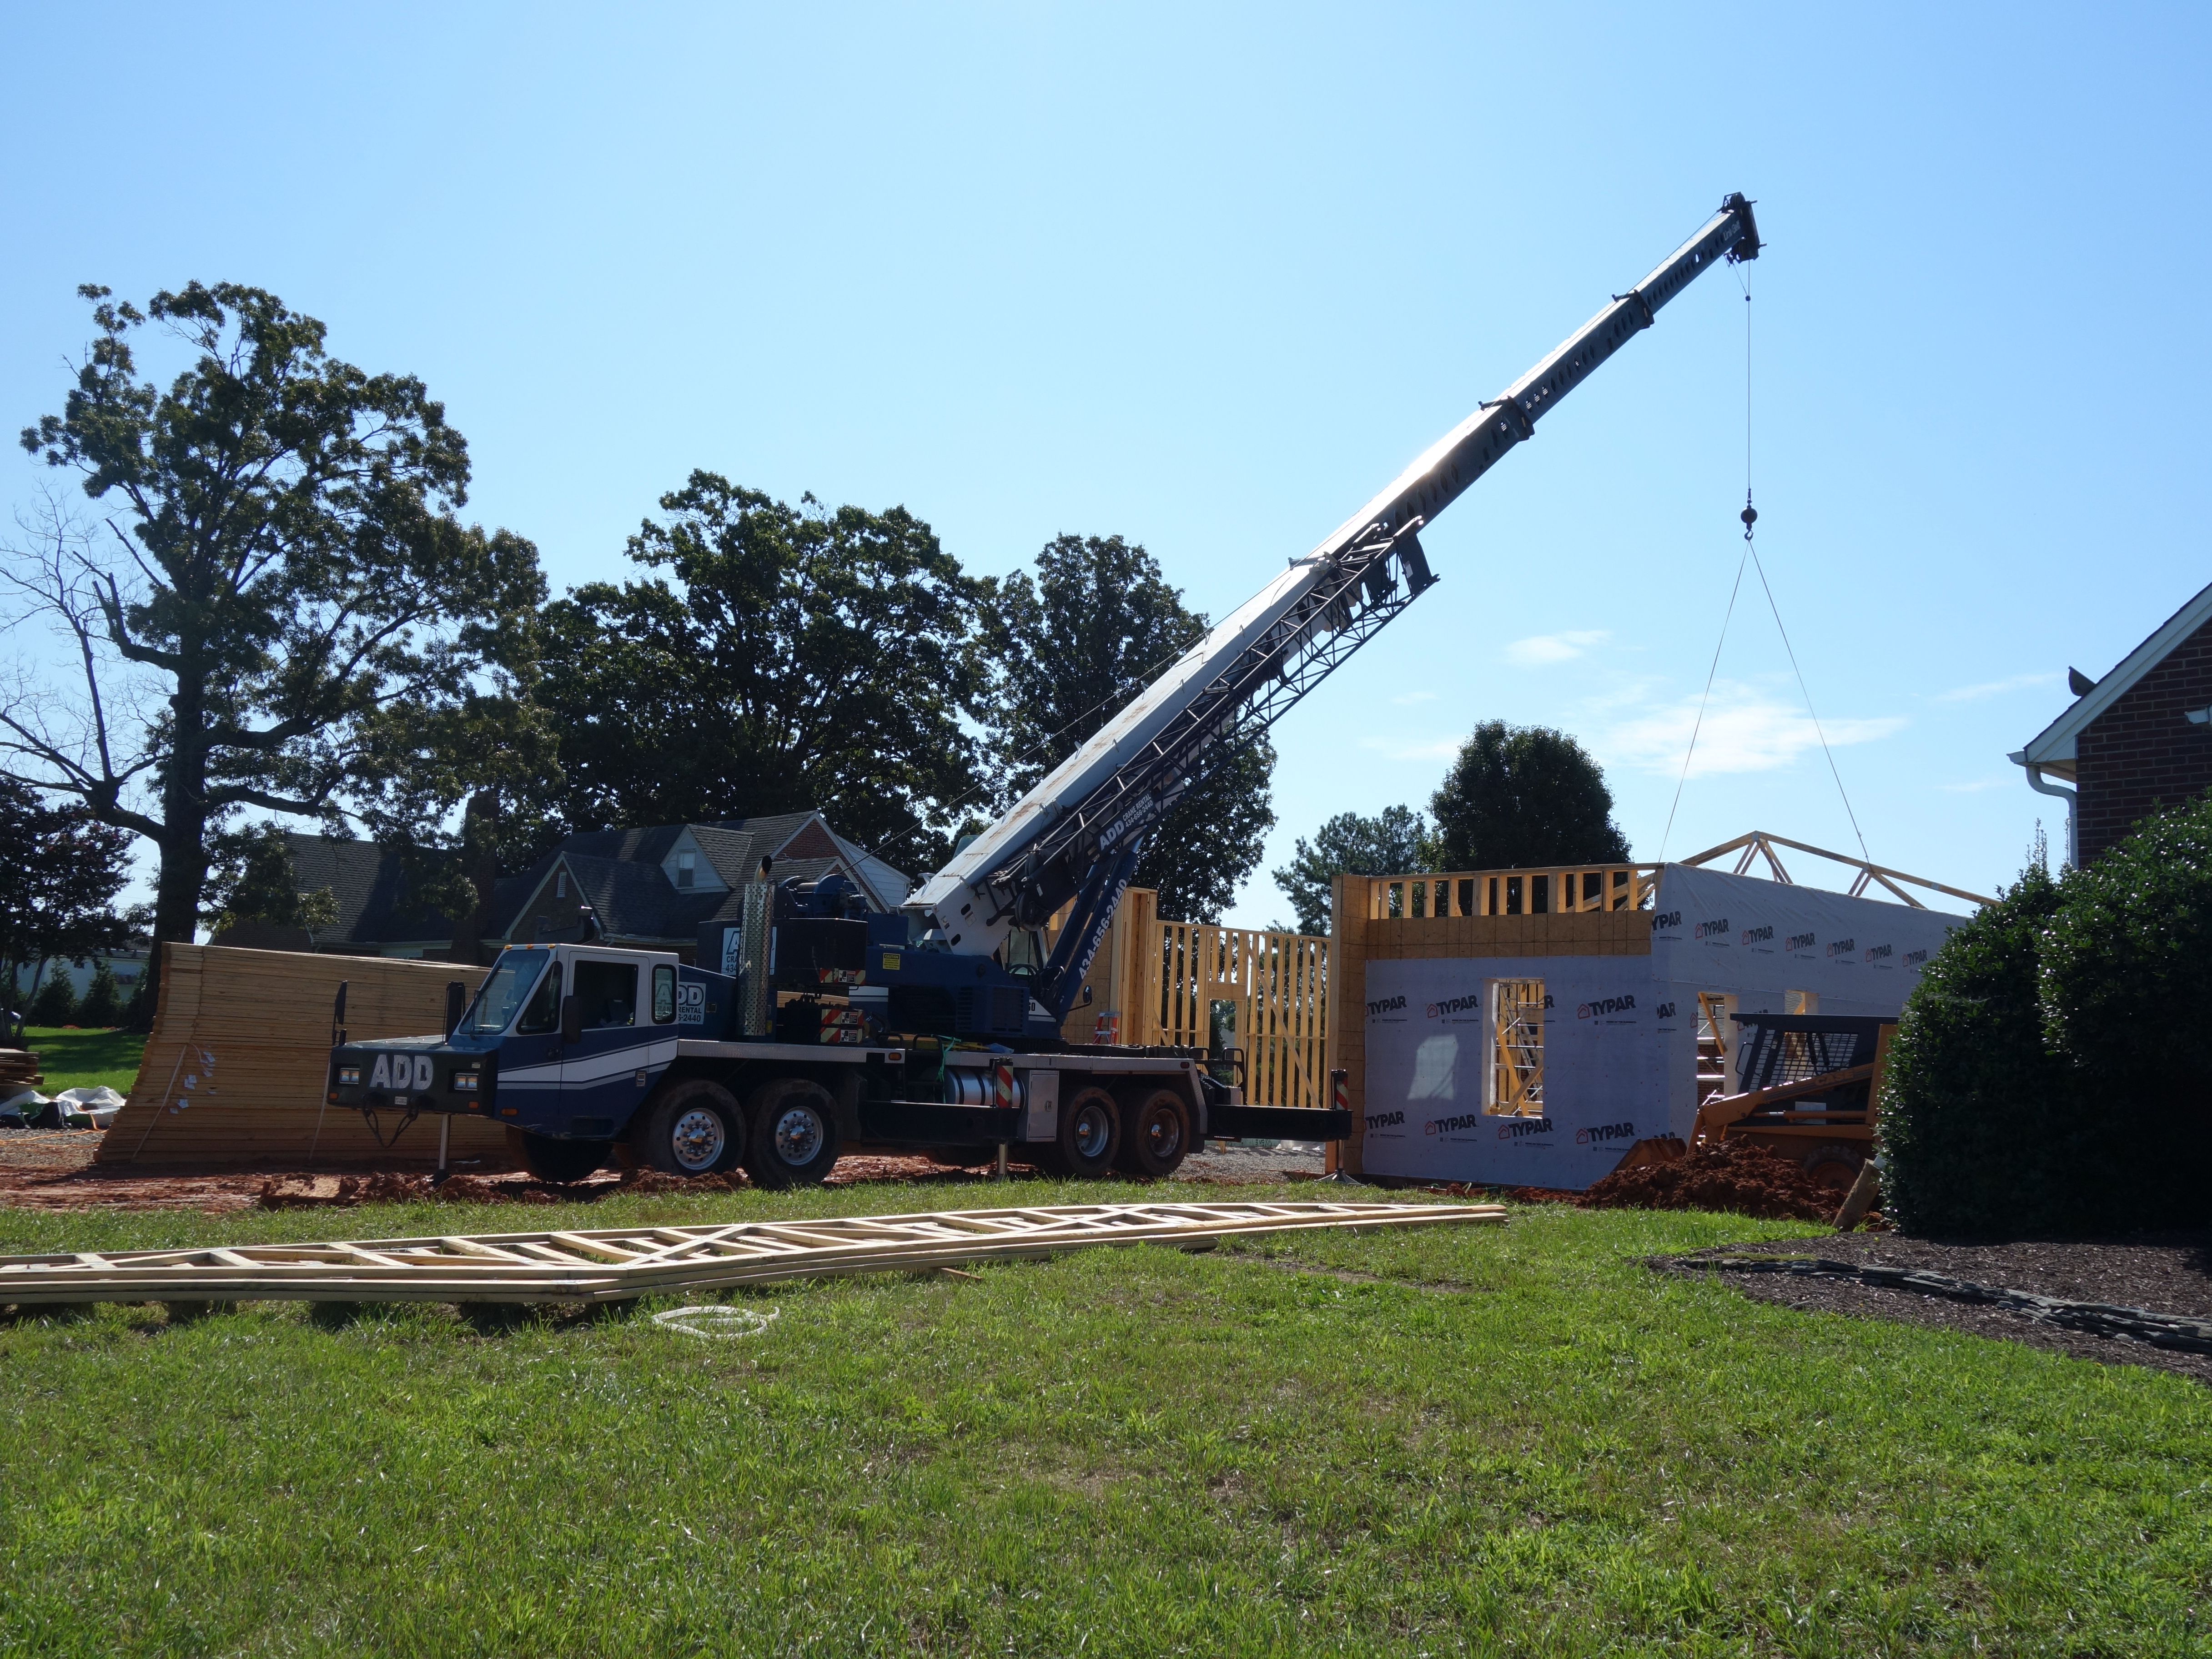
73,1058
1475,1440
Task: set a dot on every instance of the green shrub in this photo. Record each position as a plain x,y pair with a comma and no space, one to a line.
2035,1084
1972,1097
103,998
2127,962
56,1002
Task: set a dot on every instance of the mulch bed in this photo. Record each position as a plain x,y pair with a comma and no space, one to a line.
2169,1273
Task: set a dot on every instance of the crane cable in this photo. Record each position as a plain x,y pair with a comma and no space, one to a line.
1750,519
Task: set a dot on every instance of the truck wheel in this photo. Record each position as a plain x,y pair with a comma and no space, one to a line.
1154,1133
794,1134
1090,1135
560,1162
694,1130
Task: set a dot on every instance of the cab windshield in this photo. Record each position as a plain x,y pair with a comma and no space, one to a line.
506,989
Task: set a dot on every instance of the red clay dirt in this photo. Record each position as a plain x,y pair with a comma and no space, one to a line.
1729,1175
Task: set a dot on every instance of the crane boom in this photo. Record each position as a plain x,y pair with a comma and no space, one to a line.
1076,833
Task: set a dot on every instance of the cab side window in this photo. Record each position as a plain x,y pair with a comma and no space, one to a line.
607,994
664,996
544,1014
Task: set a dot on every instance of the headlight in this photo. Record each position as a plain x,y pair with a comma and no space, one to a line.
349,1077
465,1082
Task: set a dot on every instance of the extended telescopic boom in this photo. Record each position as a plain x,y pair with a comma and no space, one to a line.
1076,834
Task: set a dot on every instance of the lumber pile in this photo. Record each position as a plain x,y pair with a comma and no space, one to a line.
236,1067
617,1264
19,1070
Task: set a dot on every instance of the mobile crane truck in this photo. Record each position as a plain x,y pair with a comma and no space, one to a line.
936,1027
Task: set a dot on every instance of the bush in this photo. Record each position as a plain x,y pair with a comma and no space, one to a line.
2127,962
103,998
2014,1103
56,1002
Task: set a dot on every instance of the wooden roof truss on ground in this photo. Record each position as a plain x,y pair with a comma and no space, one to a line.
617,1264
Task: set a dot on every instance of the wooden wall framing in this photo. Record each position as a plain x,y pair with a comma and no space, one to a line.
1426,917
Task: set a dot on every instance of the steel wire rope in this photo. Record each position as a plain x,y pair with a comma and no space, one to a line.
1750,518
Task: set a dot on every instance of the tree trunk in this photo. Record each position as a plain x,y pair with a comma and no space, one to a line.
184,839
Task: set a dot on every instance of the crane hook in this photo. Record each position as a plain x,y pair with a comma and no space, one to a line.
1749,515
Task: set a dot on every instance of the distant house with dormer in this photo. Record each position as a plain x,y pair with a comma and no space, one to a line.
652,889
2136,740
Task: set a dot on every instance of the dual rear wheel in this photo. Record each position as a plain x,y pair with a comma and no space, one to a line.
785,1135
1142,1132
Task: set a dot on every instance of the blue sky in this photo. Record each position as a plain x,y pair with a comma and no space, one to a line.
1208,279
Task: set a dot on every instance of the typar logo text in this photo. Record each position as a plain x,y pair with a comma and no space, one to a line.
1757,936
1387,1006
1665,918
1444,1126
1799,942
1604,1005
1879,952
1455,1006
1603,1133
1714,929
1514,1128
1842,947
1385,1120
1915,958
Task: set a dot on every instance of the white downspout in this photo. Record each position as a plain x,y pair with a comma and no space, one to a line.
2043,785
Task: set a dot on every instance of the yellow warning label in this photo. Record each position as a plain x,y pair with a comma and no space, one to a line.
891,962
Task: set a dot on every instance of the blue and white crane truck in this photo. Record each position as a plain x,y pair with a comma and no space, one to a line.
938,1027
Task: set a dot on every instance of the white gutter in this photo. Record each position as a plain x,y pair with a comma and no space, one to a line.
2043,785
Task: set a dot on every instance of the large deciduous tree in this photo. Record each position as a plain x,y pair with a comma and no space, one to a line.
1523,796
276,607
1073,645
1395,841
792,658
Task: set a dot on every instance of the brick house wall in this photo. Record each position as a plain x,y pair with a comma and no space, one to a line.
2143,752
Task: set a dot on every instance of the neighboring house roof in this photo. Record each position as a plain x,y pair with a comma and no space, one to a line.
369,884
622,875
2053,749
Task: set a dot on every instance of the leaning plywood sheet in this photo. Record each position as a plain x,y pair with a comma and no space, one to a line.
612,1264
235,1068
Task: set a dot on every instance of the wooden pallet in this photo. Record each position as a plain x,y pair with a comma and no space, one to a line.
616,1264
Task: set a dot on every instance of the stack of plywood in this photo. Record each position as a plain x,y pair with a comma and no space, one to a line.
235,1069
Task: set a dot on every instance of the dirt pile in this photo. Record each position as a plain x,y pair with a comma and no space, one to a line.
1726,1174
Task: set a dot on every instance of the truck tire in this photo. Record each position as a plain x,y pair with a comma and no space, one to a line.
694,1130
1155,1132
792,1126
1090,1135
560,1162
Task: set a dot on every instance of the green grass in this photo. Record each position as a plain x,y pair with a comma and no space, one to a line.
73,1059
1484,1440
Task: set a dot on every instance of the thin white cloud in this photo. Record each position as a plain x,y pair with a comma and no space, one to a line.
1541,650
1994,688
1745,730
1416,696
1406,749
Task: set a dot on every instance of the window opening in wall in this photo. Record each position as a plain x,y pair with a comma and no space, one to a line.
561,885
1714,1031
1517,1055
1801,1002
687,868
